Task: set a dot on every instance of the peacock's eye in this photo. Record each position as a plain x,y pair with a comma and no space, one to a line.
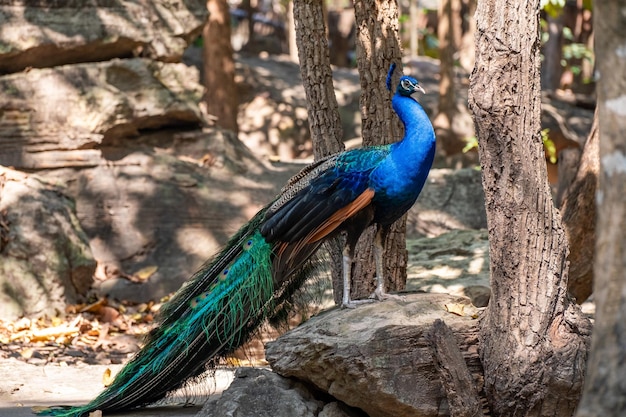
407,85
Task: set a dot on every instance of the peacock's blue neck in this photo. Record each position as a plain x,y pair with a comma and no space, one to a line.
415,152
399,179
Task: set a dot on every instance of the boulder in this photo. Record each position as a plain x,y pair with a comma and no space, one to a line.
378,357
261,393
163,203
64,116
45,259
455,263
46,34
452,199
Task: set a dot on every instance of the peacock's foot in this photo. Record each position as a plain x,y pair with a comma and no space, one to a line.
380,295
355,303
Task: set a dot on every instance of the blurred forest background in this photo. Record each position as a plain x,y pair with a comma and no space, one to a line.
136,138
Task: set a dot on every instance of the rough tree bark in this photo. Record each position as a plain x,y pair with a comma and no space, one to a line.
219,67
534,340
605,390
322,107
578,209
378,45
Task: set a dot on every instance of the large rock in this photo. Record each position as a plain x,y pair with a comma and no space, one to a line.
378,356
165,202
46,34
451,200
259,392
64,116
45,258
454,263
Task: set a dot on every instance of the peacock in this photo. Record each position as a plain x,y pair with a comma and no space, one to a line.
270,257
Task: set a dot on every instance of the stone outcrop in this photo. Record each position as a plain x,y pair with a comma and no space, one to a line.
45,260
64,116
378,357
454,263
451,200
257,392
39,34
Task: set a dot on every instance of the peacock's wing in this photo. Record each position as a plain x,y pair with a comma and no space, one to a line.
319,199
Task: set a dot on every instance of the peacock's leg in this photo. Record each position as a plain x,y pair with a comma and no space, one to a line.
346,302
380,293
346,270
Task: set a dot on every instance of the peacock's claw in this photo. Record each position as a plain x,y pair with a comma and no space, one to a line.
380,295
355,303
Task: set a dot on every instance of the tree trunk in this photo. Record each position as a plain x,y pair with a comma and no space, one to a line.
291,33
579,217
219,67
413,29
553,52
250,8
322,107
317,78
605,390
452,123
466,49
378,46
533,339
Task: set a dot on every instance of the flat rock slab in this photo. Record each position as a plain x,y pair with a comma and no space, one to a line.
57,117
378,356
24,386
44,34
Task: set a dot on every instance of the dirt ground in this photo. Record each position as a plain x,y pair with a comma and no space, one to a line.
24,386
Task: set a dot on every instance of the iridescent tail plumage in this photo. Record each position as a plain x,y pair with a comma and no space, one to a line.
211,316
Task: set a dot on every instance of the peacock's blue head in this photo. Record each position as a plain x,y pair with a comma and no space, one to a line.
409,85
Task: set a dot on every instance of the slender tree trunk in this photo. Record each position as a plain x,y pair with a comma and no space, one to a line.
219,67
250,7
553,53
466,49
578,209
533,339
323,110
413,29
453,122
291,33
317,77
446,33
378,45
605,387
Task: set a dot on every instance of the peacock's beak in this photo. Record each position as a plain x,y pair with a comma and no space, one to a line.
421,89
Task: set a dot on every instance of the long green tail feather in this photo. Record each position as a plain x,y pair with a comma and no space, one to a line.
211,316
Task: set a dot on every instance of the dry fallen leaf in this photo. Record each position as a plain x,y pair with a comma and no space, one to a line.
455,308
108,314
27,353
144,273
107,379
95,307
39,408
